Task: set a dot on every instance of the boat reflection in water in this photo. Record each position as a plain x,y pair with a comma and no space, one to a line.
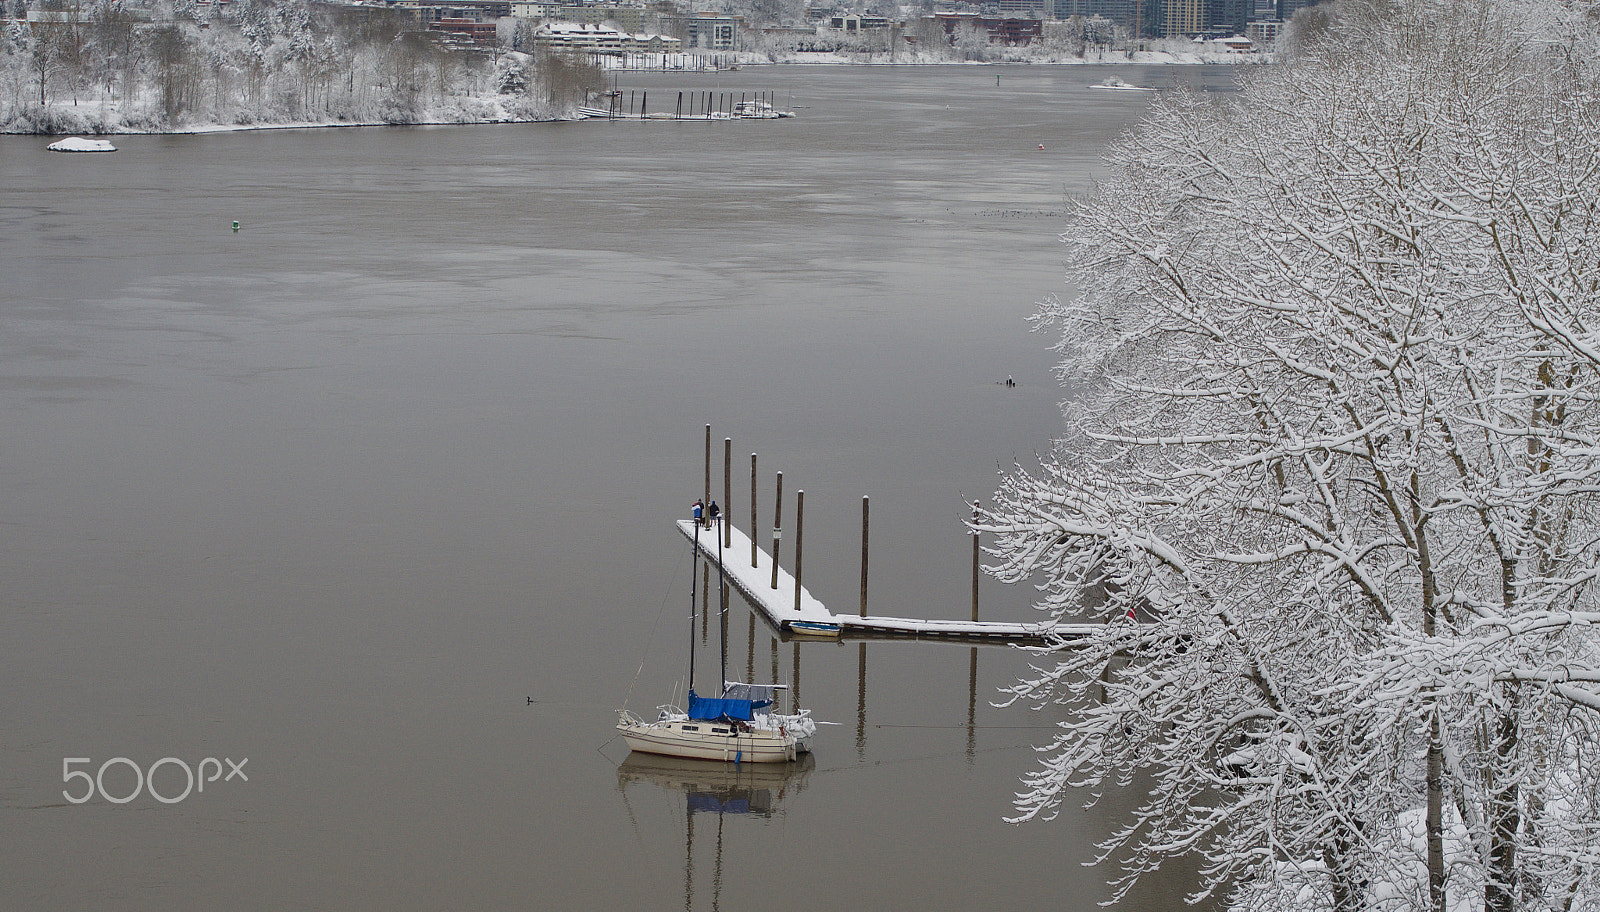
712,787
716,787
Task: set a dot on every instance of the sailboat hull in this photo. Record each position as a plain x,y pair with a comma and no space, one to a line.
709,741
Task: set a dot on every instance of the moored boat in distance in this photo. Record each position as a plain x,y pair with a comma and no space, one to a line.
734,728
758,110
1115,82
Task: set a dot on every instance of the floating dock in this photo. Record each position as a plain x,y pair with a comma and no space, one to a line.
794,609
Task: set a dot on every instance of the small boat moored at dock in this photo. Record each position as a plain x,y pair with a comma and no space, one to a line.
814,628
739,726
734,728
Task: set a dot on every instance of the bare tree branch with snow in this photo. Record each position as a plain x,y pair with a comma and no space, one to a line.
1332,475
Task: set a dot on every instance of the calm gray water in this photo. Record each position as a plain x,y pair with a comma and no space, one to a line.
339,494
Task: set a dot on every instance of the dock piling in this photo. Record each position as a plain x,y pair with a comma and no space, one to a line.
799,541
777,529
864,517
975,568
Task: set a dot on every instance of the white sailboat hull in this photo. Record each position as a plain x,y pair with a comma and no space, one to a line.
702,740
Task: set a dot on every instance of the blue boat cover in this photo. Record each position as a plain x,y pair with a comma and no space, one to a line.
710,708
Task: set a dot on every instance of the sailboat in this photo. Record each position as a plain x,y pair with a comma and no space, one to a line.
737,726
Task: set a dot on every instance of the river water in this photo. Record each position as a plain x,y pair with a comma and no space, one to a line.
372,499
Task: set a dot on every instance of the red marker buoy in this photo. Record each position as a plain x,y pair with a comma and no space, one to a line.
1041,147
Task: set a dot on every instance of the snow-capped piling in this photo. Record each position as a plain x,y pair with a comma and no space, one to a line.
799,541
864,516
976,569
777,529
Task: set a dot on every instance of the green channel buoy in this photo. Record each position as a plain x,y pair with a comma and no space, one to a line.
235,227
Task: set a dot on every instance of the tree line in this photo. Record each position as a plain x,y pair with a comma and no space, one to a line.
108,64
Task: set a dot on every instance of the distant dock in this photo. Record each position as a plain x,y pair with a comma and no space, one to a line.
789,604
699,105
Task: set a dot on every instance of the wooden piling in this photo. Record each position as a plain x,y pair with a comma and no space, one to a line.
727,493
864,528
975,563
705,495
753,549
777,529
799,541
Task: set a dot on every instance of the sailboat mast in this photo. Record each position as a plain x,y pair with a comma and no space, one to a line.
694,598
722,606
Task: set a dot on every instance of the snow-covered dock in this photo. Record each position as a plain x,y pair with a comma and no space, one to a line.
779,605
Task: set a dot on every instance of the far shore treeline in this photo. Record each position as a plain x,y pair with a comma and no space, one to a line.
110,66
114,67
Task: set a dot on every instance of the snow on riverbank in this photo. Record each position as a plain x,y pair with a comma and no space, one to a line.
105,117
98,116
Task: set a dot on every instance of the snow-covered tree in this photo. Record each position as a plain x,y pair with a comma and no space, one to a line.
1332,474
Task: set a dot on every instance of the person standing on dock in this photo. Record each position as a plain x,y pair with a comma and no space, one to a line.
699,512
716,514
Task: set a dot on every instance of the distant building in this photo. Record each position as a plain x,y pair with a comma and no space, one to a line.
1183,17
632,19
1236,44
715,31
1010,31
475,30
602,39
476,10
1263,33
1037,9
854,22
535,9
1227,18
1127,14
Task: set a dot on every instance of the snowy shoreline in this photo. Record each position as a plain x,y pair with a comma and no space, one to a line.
202,129
108,119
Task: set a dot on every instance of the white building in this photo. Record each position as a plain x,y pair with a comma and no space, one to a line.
533,9
585,36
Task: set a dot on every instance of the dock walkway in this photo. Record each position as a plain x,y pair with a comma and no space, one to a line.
779,605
